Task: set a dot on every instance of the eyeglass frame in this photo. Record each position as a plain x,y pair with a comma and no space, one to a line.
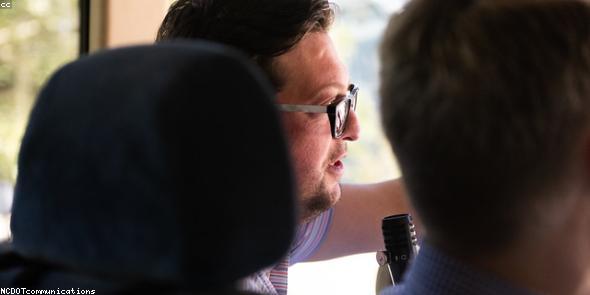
350,98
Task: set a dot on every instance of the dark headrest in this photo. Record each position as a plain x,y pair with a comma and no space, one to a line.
164,162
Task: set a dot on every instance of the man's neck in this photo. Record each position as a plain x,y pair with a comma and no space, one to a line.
555,260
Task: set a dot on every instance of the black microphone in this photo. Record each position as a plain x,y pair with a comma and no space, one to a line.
400,244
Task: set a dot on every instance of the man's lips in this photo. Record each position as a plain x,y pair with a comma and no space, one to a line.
337,167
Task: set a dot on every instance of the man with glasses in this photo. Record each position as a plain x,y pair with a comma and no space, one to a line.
289,41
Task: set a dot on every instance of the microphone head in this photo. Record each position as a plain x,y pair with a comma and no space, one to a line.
400,242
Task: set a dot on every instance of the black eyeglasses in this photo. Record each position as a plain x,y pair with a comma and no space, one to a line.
337,111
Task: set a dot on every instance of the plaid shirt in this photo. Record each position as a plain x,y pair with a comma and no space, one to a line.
433,272
308,238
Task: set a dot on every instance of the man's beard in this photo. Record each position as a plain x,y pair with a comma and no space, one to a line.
320,200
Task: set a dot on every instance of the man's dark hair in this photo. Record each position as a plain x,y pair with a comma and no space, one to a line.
484,103
263,29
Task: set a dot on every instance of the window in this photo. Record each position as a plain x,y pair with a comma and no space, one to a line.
36,38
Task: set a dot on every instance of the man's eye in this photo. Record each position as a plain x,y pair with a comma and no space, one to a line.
337,99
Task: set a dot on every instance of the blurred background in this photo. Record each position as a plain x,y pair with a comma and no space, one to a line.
38,36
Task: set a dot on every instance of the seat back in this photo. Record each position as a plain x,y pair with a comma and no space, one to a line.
162,163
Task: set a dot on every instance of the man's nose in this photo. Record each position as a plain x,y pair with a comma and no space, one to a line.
352,129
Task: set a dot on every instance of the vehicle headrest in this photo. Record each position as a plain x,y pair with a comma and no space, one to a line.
164,162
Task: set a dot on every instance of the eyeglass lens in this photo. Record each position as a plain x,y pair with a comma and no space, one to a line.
342,111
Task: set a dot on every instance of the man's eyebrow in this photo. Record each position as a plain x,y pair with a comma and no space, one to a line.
322,98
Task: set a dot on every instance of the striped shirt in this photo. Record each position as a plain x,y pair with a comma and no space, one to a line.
308,238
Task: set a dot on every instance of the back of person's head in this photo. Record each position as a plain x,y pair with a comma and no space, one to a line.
263,29
485,104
